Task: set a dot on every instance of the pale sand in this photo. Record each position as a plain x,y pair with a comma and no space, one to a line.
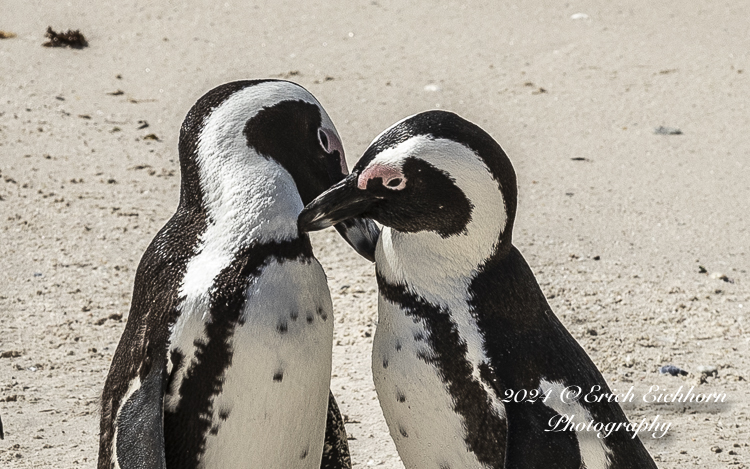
82,197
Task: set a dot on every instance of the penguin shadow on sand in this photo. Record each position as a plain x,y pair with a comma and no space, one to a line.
225,361
471,366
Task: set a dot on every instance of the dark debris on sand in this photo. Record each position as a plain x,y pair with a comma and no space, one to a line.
70,38
661,130
672,371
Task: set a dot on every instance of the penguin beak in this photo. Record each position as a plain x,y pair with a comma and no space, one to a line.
341,206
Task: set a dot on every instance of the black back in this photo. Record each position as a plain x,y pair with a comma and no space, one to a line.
526,342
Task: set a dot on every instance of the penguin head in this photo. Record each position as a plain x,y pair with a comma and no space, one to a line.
275,119
264,136
434,172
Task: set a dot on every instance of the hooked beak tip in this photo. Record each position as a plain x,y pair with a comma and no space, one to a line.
311,221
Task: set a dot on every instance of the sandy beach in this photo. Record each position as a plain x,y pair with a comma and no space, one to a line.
638,237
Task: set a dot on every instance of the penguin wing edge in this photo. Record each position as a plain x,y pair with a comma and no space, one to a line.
532,444
336,447
140,425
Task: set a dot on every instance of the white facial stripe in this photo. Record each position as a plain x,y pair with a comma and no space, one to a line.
594,451
233,177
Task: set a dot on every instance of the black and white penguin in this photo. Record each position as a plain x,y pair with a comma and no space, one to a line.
462,323
225,360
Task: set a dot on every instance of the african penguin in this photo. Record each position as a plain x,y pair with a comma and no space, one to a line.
225,360
461,318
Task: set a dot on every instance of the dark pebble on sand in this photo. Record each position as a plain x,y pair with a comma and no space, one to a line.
672,370
661,130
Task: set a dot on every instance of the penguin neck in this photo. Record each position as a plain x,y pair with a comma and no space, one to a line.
440,270
255,203
247,201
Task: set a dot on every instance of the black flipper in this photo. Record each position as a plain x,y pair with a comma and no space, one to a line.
531,443
335,447
140,425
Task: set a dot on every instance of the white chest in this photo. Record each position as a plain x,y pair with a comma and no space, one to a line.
271,409
419,410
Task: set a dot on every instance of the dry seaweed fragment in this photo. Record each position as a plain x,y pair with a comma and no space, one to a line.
7,35
70,38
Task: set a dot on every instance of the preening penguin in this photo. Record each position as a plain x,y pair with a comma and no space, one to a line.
226,356
461,318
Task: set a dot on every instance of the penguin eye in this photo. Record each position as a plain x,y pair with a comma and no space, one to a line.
323,139
394,182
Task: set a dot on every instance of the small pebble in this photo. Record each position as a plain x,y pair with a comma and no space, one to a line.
707,369
672,370
716,449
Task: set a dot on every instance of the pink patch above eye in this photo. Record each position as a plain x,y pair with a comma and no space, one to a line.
385,173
